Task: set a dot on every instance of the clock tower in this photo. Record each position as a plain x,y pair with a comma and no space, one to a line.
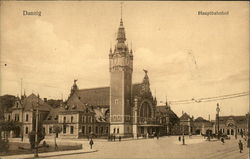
121,68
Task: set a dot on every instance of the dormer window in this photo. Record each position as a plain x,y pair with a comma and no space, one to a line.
56,118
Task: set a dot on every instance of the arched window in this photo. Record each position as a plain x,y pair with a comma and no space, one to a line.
145,110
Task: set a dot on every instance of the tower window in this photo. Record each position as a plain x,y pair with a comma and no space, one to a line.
116,101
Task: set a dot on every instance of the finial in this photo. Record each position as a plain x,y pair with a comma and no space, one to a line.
75,80
121,10
145,71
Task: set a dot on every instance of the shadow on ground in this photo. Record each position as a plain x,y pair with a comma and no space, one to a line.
64,154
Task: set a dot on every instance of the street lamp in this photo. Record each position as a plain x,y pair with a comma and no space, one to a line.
218,120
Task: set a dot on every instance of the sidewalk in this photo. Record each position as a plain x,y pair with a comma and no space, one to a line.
50,154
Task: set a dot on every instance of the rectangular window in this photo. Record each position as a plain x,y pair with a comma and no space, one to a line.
107,130
26,130
9,117
50,130
117,130
90,119
101,130
72,119
90,129
27,117
83,119
87,119
64,129
64,119
71,129
83,129
96,130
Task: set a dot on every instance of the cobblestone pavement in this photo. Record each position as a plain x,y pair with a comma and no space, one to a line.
164,148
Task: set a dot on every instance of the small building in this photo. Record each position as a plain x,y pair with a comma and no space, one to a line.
24,113
201,126
233,125
186,124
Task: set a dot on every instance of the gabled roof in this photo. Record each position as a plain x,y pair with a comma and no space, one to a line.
185,116
32,101
75,104
166,110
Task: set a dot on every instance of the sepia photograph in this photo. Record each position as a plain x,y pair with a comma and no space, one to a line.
124,79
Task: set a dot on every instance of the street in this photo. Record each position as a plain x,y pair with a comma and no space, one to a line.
166,147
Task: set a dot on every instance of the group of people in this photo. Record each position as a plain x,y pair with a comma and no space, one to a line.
113,138
183,139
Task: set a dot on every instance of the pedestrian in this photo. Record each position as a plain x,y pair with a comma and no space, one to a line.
222,140
240,146
179,138
157,136
183,140
236,136
120,138
91,143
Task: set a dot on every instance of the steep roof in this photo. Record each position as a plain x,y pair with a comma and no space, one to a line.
100,96
31,101
75,104
185,116
166,110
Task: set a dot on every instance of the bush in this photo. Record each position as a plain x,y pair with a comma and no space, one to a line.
4,145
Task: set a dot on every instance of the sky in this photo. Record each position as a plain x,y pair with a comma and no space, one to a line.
187,55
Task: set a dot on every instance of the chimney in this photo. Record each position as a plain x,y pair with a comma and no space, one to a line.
45,99
182,112
208,117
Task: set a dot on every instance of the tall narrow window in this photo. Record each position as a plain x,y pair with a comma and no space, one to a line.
114,130
27,117
72,119
96,130
83,129
26,130
89,129
64,119
71,129
64,129
117,130
50,130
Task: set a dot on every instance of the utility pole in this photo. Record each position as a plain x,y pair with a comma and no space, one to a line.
218,119
36,137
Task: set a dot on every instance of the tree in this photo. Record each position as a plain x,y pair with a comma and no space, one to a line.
40,136
6,102
7,126
56,129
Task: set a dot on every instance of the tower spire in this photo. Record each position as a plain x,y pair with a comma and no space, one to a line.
121,10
